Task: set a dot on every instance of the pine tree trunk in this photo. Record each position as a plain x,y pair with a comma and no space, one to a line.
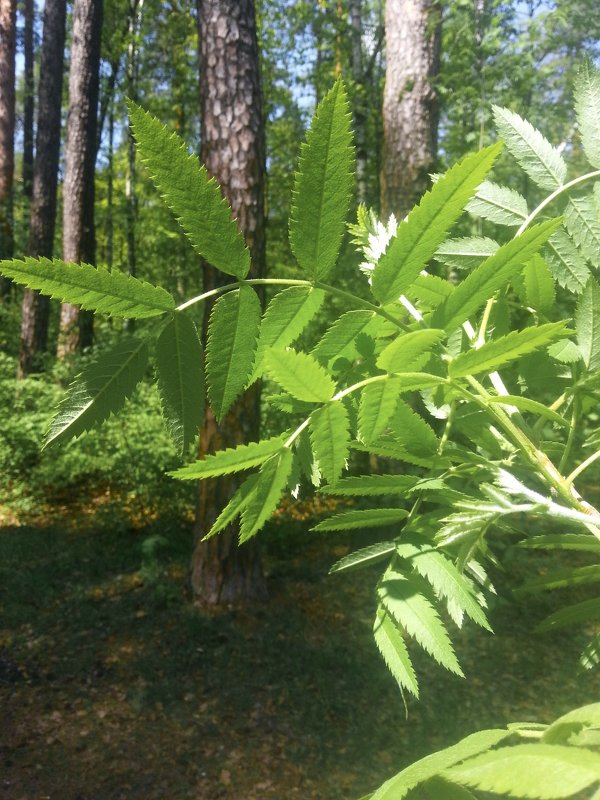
42,222
79,239
28,102
233,150
410,112
8,31
360,99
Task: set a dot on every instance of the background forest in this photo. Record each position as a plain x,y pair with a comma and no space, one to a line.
114,651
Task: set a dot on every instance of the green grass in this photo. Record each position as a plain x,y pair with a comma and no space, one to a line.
114,685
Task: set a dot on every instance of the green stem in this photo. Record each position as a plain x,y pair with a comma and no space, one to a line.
583,466
564,188
333,290
575,418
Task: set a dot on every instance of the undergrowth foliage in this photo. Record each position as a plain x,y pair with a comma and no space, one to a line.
409,373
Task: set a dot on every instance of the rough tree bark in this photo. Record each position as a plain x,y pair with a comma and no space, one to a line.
79,239
410,109
233,150
36,307
28,102
8,31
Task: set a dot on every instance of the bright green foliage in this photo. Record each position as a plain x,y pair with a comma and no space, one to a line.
404,599
272,480
562,579
587,106
527,404
587,324
288,313
339,341
498,352
372,485
193,197
235,459
410,352
330,439
564,541
240,499
429,290
322,187
180,376
393,649
364,557
357,520
232,332
413,432
576,614
300,375
427,225
100,390
430,766
467,252
378,402
542,162
541,771
443,576
566,262
565,351
582,219
493,274
539,285
94,289
561,730
498,204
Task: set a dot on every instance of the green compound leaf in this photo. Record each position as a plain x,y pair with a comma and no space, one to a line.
300,375
566,262
234,459
378,402
444,578
239,500
232,333
403,598
442,789
493,274
288,313
563,541
99,390
537,771
372,485
424,769
364,518
565,351
587,324
193,197
562,578
583,223
499,204
467,252
330,439
364,557
542,162
539,285
271,483
429,290
339,341
495,353
94,289
179,367
405,353
323,186
391,645
587,106
427,225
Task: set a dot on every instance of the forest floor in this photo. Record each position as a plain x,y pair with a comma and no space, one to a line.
113,686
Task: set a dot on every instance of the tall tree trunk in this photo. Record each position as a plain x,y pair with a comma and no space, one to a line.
410,109
361,91
8,31
233,150
136,8
36,307
79,238
28,103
